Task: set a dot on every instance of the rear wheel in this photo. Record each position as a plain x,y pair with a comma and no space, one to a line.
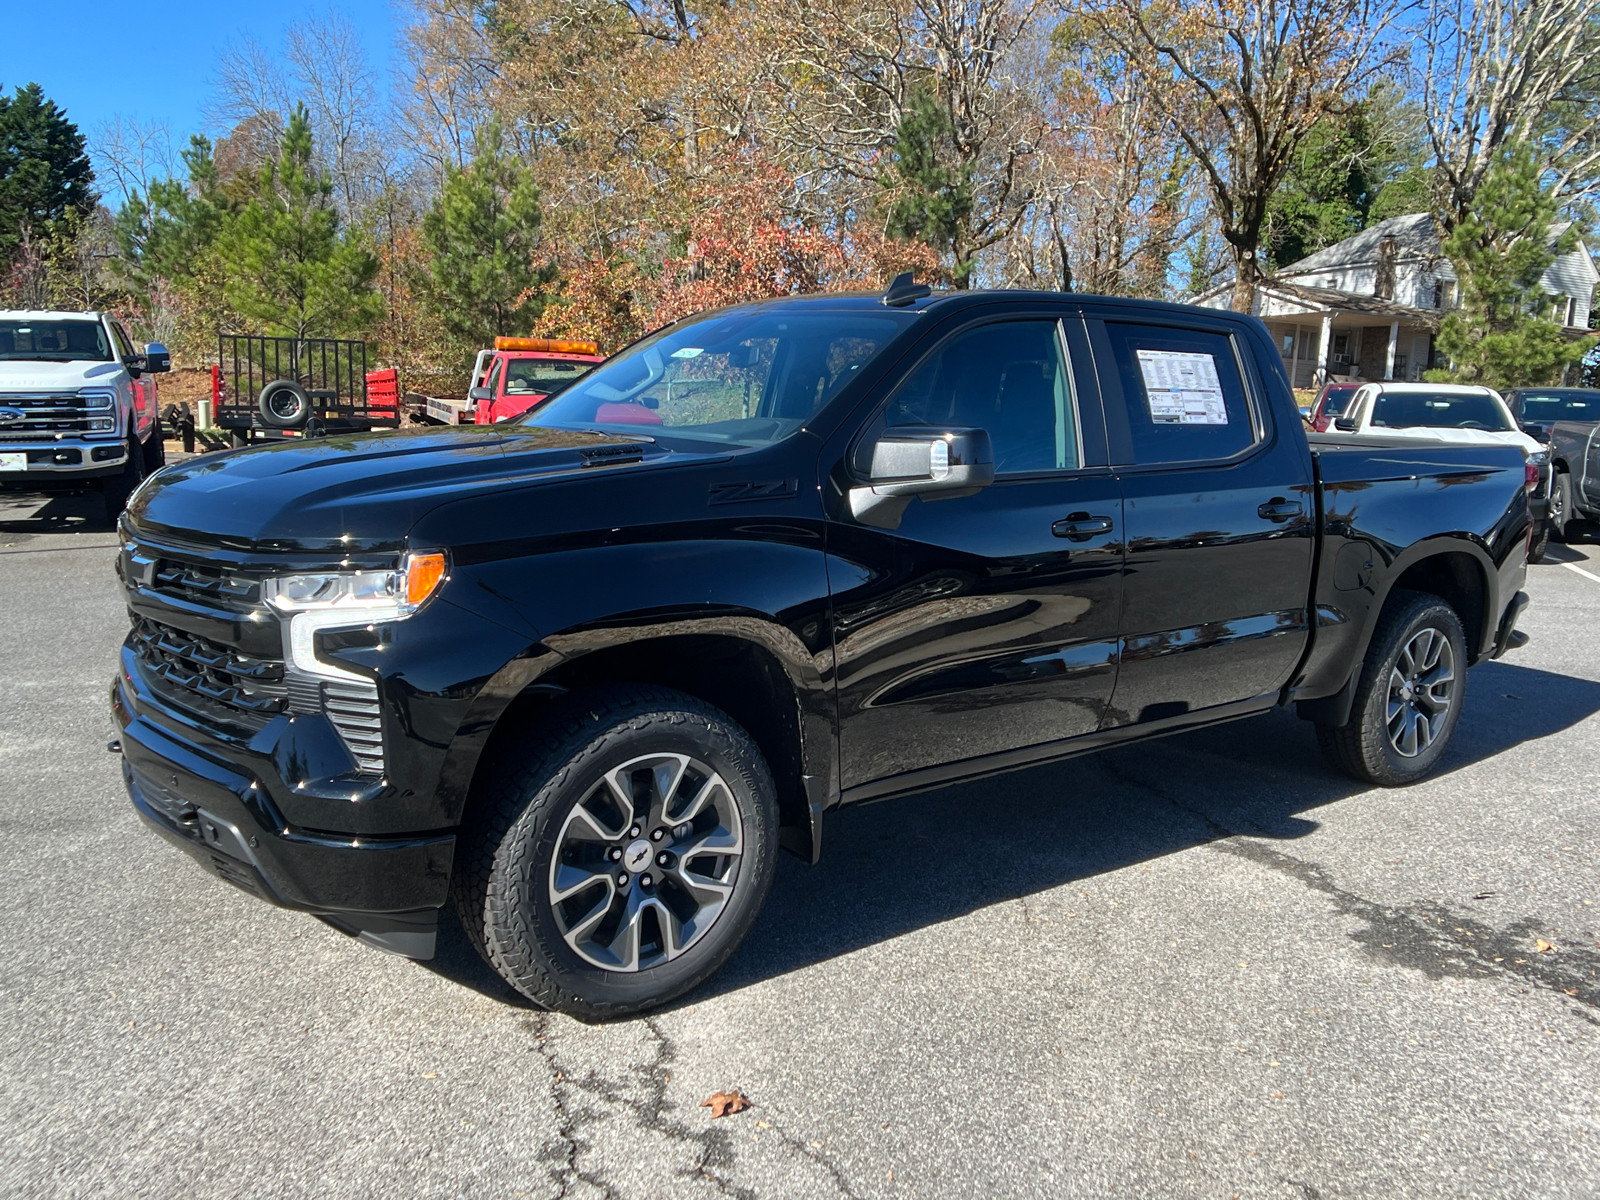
619,854
1408,699
1540,542
1560,506
154,450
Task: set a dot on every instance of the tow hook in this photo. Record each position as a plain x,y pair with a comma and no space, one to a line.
114,746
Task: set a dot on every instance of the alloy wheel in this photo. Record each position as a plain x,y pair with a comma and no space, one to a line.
1421,688
646,862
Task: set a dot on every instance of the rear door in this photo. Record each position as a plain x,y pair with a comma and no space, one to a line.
983,624
1219,513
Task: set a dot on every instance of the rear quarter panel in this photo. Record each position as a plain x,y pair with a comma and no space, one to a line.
1384,508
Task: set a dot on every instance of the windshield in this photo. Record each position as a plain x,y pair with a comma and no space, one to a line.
54,341
1336,395
1559,406
531,376
1439,410
744,377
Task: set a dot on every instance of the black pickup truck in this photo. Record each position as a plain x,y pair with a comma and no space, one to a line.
1567,420
585,673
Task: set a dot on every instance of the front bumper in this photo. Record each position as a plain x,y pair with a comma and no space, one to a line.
385,890
61,461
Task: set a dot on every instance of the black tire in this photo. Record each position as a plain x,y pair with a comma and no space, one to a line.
1363,746
1560,506
504,872
284,405
154,450
1540,543
115,489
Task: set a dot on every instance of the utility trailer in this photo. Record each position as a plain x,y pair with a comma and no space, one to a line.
275,387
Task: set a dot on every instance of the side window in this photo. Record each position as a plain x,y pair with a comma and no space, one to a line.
493,382
124,347
1008,378
1184,397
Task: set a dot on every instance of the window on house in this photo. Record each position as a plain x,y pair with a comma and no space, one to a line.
1438,295
1572,310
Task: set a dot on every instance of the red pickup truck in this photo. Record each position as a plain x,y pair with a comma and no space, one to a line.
510,379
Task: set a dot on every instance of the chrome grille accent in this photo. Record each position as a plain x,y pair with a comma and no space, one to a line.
198,583
353,709
59,415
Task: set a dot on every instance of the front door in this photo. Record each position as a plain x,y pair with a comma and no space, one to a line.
985,623
1219,515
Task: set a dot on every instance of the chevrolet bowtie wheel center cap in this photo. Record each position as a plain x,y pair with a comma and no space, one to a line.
637,855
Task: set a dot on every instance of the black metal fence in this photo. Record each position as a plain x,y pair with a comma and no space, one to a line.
333,371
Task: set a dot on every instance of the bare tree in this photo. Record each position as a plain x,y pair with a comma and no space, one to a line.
131,154
1501,72
338,87
1241,85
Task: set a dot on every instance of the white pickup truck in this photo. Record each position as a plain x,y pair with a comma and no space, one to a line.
77,412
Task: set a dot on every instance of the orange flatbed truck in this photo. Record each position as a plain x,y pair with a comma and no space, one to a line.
509,379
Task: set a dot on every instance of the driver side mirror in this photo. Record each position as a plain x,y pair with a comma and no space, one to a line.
911,461
479,394
156,359
1345,424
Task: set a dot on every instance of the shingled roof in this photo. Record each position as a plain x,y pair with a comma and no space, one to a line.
1414,234
1321,297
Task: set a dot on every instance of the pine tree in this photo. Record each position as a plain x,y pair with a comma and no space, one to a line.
44,172
1504,334
932,201
483,234
290,269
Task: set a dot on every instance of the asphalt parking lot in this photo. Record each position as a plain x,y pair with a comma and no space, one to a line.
1201,967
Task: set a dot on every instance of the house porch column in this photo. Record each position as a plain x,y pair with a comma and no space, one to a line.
1394,341
1324,344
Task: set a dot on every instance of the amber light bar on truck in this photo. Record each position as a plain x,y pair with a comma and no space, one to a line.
548,345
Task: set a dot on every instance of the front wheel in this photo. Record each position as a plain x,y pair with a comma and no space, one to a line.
1408,699
1540,542
618,853
115,489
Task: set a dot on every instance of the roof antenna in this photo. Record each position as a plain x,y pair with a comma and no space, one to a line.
903,291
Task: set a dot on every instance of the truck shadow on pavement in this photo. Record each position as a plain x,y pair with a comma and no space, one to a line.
29,513
893,868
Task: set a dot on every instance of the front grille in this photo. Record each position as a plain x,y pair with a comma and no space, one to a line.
353,709
198,583
210,678
58,414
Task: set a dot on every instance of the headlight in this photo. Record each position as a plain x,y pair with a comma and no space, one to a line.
397,594
346,599
1539,457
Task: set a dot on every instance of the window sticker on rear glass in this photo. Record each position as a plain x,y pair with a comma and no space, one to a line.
1183,388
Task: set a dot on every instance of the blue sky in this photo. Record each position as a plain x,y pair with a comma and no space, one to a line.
154,62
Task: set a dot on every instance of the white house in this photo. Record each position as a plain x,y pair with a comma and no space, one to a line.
1369,307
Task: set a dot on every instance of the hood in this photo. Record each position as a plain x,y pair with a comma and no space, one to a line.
364,492
21,375
1464,437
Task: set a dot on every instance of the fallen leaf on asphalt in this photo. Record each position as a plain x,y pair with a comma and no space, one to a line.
1542,946
430,1074
1279,1096
1572,991
724,1104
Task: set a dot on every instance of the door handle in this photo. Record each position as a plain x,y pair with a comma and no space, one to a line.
1080,527
1279,509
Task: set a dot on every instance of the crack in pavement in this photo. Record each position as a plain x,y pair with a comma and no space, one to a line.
1420,936
713,1146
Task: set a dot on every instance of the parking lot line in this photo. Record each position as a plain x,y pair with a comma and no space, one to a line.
1581,571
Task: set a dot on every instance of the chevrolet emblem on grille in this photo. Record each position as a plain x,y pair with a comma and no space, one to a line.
8,415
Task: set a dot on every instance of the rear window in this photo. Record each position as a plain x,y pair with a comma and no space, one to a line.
1438,410
1566,406
54,341
1183,393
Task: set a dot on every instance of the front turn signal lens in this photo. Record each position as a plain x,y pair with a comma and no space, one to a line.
424,573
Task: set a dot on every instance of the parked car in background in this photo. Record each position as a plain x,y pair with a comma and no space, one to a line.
508,380
1565,419
78,409
1330,402
582,673
1461,413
